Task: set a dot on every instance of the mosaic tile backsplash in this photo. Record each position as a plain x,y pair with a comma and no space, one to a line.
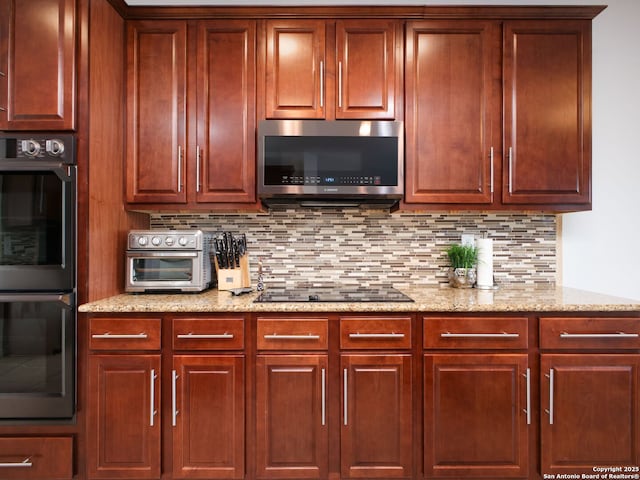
371,247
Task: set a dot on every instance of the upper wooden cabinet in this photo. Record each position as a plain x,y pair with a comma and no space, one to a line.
459,149
333,69
37,64
547,105
206,67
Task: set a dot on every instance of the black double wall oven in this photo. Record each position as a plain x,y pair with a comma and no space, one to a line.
38,185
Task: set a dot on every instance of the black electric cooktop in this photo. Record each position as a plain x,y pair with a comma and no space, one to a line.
333,294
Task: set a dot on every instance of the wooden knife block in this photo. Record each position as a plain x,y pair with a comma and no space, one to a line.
230,278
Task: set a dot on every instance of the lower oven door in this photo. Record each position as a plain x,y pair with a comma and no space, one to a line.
165,271
37,356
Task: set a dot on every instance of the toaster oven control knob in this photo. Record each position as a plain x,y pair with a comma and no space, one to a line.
31,147
183,241
169,241
156,241
142,241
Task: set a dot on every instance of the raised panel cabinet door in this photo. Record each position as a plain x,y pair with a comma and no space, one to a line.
208,416
453,111
547,112
376,429
225,169
477,415
295,69
156,96
368,66
590,416
123,420
291,415
38,69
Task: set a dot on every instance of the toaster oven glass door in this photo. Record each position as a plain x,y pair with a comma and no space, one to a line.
164,270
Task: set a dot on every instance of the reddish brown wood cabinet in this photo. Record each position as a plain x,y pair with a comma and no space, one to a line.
304,78
37,64
452,111
207,159
459,149
32,458
589,375
477,397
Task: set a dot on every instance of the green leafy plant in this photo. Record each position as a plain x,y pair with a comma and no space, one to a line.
462,256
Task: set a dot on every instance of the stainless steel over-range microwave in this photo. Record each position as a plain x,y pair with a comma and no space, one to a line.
319,159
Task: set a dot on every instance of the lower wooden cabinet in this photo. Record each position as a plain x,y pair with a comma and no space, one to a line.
122,417
26,458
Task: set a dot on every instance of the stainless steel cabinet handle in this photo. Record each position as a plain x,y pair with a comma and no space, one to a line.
179,168
550,410
491,171
152,400
25,463
2,109
197,336
510,170
324,397
277,336
174,397
321,83
376,335
120,336
528,410
340,84
479,335
345,396
599,335
197,168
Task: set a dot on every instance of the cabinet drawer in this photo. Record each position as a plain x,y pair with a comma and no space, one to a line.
36,457
292,333
208,333
475,332
590,333
124,334
357,333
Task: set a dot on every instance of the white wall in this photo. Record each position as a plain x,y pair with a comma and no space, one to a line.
598,247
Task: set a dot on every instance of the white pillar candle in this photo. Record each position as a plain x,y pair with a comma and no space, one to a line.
485,263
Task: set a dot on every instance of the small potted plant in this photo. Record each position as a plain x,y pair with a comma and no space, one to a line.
463,258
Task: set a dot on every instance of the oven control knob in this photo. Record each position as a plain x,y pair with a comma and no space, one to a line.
142,241
54,147
31,147
183,241
156,241
169,241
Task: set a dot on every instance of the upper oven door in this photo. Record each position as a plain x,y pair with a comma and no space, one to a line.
37,225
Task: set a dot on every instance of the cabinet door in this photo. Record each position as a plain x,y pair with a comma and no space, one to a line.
291,416
476,415
547,101
368,79
156,95
591,412
123,425
208,416
295,69
38,68
376,435
452,111
225,169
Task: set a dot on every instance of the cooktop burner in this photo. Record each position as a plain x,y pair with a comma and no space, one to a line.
331,294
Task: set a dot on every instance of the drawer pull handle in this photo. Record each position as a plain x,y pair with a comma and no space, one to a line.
599,335
214,336
120,336
25,463
276,336
479,335
376,335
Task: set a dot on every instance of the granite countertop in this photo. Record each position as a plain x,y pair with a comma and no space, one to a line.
426,299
